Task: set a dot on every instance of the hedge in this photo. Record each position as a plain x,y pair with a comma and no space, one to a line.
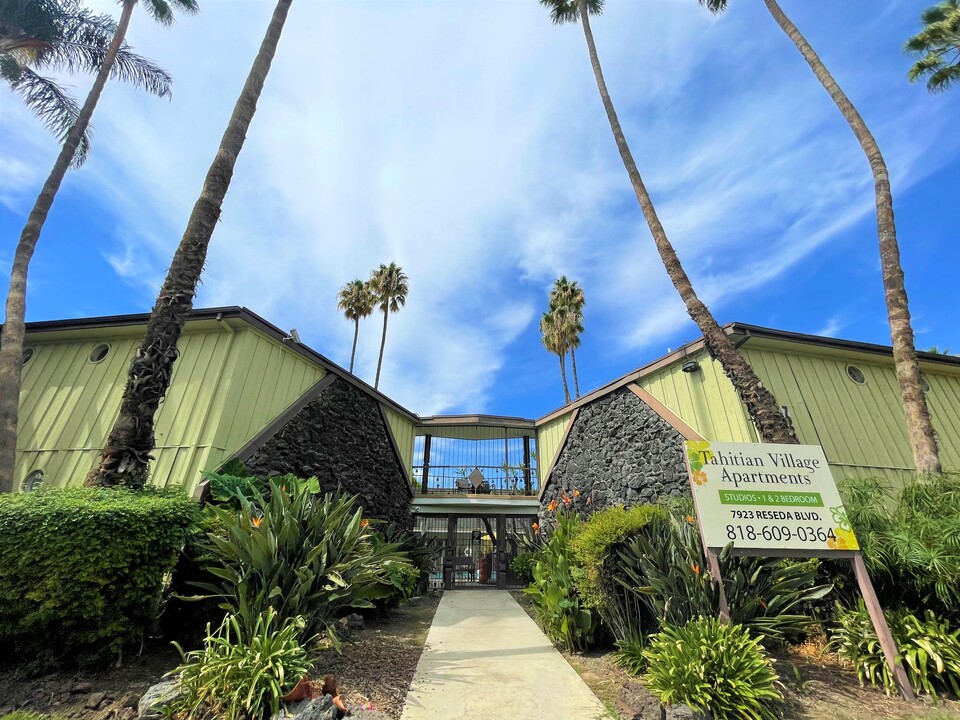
595,544
82,570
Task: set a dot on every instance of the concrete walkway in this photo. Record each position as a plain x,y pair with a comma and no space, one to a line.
485,659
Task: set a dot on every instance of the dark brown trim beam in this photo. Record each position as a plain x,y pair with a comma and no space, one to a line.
553,463
263,437
666,413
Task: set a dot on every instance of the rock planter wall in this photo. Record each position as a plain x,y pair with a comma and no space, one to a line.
342,439
619,452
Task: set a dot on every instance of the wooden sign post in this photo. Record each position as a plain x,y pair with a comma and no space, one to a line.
772,500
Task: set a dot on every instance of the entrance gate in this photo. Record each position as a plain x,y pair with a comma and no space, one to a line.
479,548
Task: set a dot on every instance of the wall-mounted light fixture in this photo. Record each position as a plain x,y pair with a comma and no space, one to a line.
690,366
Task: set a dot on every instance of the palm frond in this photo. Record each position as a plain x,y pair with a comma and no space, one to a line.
54,106
162,11
565,11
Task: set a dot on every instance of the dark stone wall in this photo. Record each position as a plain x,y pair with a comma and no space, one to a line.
342,439
619,452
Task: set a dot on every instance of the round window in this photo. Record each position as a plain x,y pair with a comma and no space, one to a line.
27,355
33,481
856,374
99,352
925,384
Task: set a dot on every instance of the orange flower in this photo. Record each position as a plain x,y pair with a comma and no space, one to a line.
566,499
536,527
256,521
695,568
364,522
576,493
690,519
552,506
699,477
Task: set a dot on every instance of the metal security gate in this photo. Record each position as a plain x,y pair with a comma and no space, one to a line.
480,548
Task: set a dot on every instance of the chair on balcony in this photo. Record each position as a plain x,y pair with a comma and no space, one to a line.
464,485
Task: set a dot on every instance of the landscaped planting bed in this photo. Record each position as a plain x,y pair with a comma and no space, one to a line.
627,596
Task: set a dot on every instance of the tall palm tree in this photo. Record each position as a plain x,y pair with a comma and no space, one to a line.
553,340
568,294
126,456
356,302
84,27
923,443
63,36
389,286
938,44
772,425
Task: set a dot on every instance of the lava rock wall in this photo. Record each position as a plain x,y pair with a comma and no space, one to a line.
619,452
342,439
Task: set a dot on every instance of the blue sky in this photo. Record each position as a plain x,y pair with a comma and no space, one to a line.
466,142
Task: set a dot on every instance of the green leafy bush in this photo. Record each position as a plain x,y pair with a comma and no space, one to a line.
714,668
522,566
910,540
595,544
565,617
82,570
665,567
242,671
629,654
929,649
299,553
424,552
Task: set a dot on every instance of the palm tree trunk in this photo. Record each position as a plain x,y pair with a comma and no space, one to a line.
11,349
563,374
576,382
356,332
772,425
920,430
126,456
383,342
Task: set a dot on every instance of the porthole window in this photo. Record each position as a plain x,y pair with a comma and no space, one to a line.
33,481
856,374
27,354
99,352
924,384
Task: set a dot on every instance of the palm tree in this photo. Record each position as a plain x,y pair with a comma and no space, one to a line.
389,286
553,340
568,294
772,425
126,456
59,51
939,39
356,302
61,35
923,443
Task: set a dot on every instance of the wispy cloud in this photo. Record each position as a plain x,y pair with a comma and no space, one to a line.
467,143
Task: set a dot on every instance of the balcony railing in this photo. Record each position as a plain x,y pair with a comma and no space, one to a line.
476,480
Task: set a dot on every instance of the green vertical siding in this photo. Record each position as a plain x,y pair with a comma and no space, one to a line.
860,427
549,437
704,399
227,384
264,378
403,432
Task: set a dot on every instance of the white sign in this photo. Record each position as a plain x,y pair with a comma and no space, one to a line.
767,497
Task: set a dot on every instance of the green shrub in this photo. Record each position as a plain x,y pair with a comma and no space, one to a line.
665,567
910,540
82,570
565,617
629,654
595,546
714,668
929,649
299,553
522,566
424,552
242,673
